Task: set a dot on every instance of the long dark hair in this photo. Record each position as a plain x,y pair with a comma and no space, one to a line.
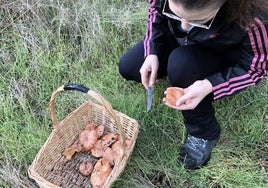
240,11
244,11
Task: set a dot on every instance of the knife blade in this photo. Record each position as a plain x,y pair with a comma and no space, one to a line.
149,98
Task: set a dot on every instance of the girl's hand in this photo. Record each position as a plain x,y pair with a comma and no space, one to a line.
149,70
193,95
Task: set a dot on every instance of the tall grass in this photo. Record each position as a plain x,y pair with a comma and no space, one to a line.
45,44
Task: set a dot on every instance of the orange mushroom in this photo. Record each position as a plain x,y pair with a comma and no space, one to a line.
109,139
69,152
173,94
102,170
86,168
98,149
87,139
100,130
91,126
108,154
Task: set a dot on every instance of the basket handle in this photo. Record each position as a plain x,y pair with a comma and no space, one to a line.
93,94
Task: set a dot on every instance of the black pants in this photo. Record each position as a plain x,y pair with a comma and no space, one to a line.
183,66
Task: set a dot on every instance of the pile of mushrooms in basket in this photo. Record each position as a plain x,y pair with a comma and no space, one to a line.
105,147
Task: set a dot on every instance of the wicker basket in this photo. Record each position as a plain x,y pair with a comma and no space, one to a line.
51,169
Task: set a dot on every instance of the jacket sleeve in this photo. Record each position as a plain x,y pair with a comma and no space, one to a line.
252,67
155,36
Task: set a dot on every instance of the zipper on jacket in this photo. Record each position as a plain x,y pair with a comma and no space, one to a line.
187,34
186,39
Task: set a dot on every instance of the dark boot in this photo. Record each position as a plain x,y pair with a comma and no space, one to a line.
195,153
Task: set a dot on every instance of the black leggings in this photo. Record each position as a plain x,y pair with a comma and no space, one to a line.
183,66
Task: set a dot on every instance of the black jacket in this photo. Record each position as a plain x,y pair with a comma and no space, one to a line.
251,45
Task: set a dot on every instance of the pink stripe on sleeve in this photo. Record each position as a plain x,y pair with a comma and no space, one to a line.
259,43
233,90
258,67
265,36
152,17
225,84
261,57
234,85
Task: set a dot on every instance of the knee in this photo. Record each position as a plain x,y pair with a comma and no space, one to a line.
180,73
123,68
127,71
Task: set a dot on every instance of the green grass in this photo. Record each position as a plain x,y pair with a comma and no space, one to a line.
45,44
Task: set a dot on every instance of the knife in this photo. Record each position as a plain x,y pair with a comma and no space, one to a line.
149,98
